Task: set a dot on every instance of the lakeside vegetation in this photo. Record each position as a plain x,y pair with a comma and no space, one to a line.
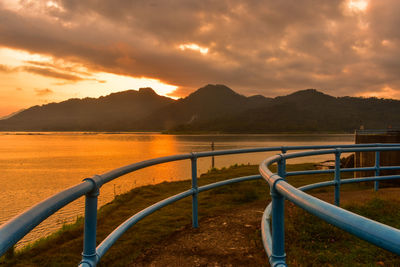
310,241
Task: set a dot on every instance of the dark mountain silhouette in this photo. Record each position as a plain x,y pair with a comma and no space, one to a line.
202,106
213,108
306,111
115,112
12,114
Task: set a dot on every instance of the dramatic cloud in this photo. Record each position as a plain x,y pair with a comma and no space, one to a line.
48,72
256,47
53,74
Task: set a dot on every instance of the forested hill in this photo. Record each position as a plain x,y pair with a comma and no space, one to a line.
213,108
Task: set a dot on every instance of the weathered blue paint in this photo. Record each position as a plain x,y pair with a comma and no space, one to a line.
337,177
89,255
278,256
378,234
195,205
16,228
377,163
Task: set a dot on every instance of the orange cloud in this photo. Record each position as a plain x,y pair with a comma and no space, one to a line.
43,92
53,74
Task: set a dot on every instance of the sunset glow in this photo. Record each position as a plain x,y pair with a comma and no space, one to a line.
52,50
194,47
360,5
385,92
31,79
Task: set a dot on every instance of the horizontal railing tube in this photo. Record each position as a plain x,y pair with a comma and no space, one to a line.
15,229
113,237
19,226
376,233
227,182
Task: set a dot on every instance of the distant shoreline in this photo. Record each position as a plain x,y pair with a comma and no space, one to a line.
170,133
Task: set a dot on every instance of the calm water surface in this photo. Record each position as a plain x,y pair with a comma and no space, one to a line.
36,166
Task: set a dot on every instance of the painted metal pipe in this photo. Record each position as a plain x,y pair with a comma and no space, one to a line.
122,228
195,204
371,231
337,178
377,164
376,233
89,255
16,228
266,231
278,255
19,226
227,182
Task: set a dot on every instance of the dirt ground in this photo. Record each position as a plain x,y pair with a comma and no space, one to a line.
231,239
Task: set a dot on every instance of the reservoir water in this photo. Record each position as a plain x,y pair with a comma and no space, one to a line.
35,166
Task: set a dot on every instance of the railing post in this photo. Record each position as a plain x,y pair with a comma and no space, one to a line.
337,178
377,172
195,221
282,165
89,256
278,256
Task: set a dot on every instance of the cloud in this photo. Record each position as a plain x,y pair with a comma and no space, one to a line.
6,69
43,92
266,47
48,72
61,66
52,74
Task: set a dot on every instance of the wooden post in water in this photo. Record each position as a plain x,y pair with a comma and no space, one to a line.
212,158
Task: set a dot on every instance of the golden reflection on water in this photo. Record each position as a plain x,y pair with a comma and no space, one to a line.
36,166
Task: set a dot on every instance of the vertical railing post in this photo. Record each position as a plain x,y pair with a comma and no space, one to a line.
282,171
89,256
377,172
212,158
195,221
278,255
337,178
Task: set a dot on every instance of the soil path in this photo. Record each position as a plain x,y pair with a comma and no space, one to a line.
232,238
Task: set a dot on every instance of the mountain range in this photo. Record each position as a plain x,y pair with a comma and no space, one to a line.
212,108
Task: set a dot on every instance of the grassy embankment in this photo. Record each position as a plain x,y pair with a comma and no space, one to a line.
310,241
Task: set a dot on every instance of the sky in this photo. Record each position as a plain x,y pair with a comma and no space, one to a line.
55,50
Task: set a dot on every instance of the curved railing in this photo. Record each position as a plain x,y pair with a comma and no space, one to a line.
371,231
15,229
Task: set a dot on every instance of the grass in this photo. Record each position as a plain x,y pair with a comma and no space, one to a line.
310,241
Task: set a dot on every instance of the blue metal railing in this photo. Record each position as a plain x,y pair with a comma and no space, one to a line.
371,231
16,228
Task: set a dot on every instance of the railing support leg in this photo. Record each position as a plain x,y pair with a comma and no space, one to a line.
337,178
278,256
377,172
195,221
89,256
